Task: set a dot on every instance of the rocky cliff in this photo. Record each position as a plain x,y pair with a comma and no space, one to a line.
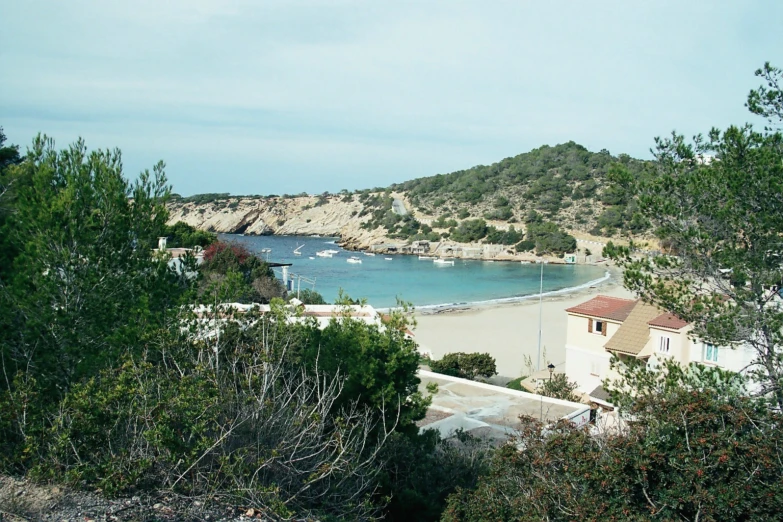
301,216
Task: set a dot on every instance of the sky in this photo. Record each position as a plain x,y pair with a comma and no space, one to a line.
287,96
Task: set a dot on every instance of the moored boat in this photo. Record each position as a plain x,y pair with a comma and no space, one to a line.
444,262
354,260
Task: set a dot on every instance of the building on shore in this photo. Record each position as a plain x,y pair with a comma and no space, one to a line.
631,329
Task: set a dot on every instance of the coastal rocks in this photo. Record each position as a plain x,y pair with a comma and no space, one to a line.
301,216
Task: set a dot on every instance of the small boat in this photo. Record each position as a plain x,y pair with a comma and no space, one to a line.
323,253
388,258
311,257
333,252
427,258
297,250
525,262
444,262
354,260
369,254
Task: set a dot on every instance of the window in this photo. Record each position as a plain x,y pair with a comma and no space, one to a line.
663,345
594,370
710,353
596,327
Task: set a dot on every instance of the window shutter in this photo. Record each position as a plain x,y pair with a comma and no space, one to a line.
605,328
589,326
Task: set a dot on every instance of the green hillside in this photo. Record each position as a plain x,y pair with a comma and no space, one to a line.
566,184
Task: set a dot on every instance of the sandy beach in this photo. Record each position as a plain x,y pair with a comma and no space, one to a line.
509,332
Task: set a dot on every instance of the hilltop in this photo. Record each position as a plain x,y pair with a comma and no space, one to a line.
538,200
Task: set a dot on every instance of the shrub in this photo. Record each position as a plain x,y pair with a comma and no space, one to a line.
466,365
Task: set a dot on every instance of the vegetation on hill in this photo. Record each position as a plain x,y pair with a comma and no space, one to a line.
566,183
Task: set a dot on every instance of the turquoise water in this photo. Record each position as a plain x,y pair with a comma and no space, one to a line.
418,281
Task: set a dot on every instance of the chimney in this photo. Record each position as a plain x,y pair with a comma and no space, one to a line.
162,244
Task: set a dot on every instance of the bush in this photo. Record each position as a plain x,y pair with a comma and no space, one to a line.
466,365
469,231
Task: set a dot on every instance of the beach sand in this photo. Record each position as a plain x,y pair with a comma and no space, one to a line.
509,332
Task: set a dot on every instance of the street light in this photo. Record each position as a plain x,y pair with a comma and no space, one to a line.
551,370
540,311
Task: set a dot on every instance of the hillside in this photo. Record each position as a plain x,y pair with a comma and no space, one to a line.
534,201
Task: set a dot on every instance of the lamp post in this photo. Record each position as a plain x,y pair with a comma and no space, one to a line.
551,371
540,311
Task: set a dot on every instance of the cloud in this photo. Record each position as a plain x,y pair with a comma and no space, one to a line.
369,92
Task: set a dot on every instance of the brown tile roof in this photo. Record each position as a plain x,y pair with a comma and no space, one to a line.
634,333
668,320
605,307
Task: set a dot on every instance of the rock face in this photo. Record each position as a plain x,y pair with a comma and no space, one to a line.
300,216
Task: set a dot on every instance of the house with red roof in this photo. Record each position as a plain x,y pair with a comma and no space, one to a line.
627,328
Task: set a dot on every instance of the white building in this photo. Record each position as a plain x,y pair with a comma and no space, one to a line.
606,326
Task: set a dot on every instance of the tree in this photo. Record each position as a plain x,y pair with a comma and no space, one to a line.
311,297
767,101
688,455
182,235
559,387
85,283
717,218
379,363
253,281
466,365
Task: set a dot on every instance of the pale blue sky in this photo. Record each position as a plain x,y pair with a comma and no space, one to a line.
260,97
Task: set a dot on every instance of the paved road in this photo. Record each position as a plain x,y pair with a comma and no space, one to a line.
399,207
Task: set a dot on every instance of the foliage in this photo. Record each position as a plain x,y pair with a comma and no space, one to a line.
688,455
767,101
503,237
311,297
516,384
470,231
240,420
559,387
231,272
547,179
379,364
204,199
549,239
466,365
717,217
84,283
182,235
423,470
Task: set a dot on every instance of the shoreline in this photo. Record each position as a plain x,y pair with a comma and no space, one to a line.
509,331
611,279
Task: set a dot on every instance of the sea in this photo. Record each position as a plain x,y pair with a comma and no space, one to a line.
382,279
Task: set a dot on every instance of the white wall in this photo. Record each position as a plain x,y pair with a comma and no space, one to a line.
587,362
586,367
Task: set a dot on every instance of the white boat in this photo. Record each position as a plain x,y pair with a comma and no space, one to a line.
323,253
369,254
311,257
297,250
427,258
444,262
525,262
333,252
354,259
388,258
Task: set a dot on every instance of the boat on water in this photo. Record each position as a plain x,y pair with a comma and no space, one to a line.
369,253
427,258
525,262
311,257
388,258
354,260
297,250
324,253
332,251
444,262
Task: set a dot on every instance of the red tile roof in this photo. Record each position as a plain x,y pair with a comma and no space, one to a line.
605,307
668,320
